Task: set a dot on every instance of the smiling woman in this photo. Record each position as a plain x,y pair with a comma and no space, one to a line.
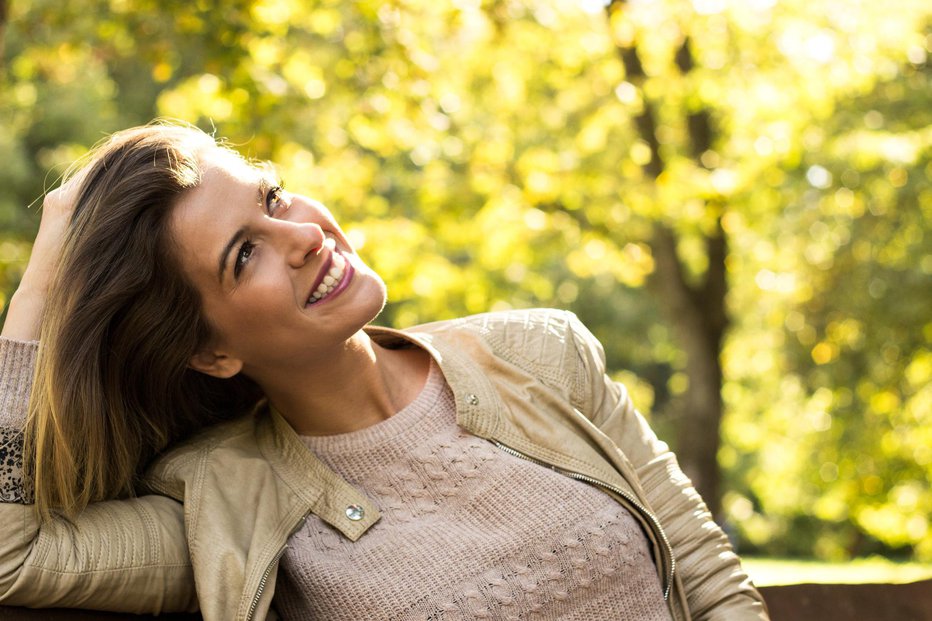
211,407
265,264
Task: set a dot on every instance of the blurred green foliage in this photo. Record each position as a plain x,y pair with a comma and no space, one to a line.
865,570
482,155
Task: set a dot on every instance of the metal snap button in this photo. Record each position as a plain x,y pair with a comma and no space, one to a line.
355,512
472,399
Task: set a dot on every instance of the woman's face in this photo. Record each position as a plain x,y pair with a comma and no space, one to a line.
279,282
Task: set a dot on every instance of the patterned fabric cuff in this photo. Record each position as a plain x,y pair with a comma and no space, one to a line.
12,488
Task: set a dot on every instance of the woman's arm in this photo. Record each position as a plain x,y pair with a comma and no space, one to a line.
127,555
18,346
715,585
124,555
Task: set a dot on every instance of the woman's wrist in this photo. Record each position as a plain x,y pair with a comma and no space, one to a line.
24,313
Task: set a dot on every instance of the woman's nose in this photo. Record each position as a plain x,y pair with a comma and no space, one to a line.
304,240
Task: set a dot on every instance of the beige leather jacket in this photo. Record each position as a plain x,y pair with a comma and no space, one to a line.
223,505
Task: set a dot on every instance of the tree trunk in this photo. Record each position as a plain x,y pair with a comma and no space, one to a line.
698,317
696,312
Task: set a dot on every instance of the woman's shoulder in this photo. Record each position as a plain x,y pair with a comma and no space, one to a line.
537,336
509,324
181,462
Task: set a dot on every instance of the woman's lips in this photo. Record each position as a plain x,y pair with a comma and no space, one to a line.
348,273
325,268
333,278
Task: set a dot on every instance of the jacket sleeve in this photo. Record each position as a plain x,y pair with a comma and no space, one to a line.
124,555
715,584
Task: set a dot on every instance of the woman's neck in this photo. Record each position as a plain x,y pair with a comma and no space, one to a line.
356,386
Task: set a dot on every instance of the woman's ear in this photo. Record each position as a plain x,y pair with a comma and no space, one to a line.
215,364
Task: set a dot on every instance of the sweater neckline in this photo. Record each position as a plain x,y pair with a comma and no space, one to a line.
404,419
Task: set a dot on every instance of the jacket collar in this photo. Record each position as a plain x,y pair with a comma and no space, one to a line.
325,493
478,405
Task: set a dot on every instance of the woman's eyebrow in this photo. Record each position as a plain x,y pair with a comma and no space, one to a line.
265,184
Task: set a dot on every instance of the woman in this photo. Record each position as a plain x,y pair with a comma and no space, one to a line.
479,468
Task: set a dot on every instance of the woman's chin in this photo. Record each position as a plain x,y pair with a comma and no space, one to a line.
380,298
370,296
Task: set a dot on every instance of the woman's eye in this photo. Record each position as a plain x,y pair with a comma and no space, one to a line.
242,257
275,200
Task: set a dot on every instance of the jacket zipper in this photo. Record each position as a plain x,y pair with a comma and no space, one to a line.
268,570
668,578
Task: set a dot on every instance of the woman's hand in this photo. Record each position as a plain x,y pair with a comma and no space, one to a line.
24,315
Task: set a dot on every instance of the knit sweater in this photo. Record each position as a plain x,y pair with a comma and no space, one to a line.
468,531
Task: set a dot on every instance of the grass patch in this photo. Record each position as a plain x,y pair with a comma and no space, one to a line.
776,571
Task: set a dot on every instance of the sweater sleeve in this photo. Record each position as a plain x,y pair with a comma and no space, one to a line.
715,585
17,362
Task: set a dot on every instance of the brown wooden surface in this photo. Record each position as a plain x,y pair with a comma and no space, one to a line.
798,602
10,613
863,602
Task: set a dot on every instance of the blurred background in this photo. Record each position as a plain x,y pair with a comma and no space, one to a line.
734,195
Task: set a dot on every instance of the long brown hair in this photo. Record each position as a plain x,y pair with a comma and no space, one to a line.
113,386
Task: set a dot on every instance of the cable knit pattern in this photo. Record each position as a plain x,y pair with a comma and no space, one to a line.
467,532
17,361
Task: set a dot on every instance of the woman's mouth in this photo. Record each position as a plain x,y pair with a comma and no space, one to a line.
337,277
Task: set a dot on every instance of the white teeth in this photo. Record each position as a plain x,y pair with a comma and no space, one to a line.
329,243
331,280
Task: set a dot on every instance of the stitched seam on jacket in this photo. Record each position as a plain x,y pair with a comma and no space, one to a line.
551,375
84,572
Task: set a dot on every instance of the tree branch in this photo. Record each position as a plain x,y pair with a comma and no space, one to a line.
645,122
4,18
699,122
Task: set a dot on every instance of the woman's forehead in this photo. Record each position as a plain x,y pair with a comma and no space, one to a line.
229,162
227,181
205,218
